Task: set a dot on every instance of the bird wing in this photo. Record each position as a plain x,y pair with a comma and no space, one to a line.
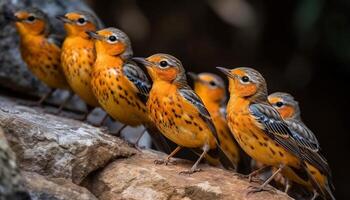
304,136
137,77
189,95
309,145
274,126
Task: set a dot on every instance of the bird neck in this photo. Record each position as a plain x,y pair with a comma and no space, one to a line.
107,61
237,104
163,87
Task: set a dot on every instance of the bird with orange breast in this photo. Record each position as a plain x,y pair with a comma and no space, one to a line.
78,55
289,110
119,85
40,49
177,110
211,89
266,137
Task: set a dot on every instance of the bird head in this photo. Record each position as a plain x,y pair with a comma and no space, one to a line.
245,82
113,42
209,86
31,21
78,22
286,105
164,67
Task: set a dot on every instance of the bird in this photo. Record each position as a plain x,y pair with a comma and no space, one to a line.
266,137
289,110
40,49
120,86
78,55
211,89
178,111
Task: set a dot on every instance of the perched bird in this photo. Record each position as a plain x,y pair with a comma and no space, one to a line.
177,110
211,89
266,137
40,49
78,55
119,85
289,110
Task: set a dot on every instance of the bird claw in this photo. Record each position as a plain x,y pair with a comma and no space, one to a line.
165,161
189,172
255,189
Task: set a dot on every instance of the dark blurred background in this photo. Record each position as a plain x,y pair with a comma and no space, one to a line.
301,47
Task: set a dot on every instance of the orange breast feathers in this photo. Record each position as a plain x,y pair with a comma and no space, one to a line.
118,85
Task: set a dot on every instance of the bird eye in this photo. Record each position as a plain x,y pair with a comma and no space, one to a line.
279,104
81,21
112,38
212,83
245,79
31,18
163,63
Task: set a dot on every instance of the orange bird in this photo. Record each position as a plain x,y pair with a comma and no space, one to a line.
177,110
211,89
289,110
266,137
40,50
119,85
78,55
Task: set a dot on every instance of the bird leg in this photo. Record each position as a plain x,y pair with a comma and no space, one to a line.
288,185
256,172
139,138
262,187
63,104
103,121
168,160
195,168
43,98
315,195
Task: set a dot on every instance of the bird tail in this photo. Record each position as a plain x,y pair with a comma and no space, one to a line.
324,190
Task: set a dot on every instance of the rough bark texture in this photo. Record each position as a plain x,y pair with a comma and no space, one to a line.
57,153
58,147
11,185
43,188
139,178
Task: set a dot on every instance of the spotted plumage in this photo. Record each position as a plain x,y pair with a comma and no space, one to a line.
211,89
264,135
120,86
39,48
176,109
78,54
305,139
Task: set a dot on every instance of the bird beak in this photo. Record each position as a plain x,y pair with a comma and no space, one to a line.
227,72
11,17
192,76
63,18
142,61
94,35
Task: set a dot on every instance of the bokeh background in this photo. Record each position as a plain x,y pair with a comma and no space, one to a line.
300,46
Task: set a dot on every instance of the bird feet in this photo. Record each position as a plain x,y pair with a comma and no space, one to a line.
165,161
255,189
189,172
